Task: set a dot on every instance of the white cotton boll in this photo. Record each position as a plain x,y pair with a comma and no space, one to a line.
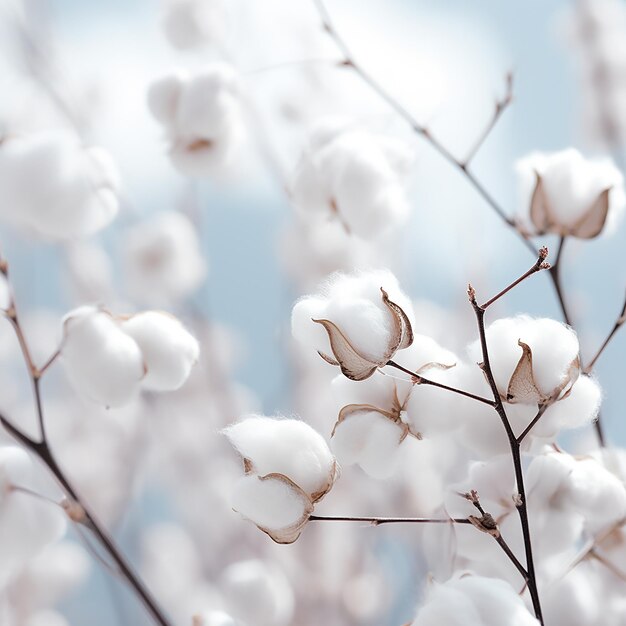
202,117
571,185
46,618
467,600
554,349
370,440
168,350
257,593
163,261
353,302
76,190
271,503
573,600
190,24
27,524
597,494
285,446
355,176
579,408
103,363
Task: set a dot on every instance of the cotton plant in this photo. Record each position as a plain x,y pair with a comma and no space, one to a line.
202,117
353,176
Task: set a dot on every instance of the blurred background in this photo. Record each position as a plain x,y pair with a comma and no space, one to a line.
158,472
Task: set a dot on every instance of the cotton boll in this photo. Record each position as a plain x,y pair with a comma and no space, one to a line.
168,350
572,600
354,303
569,187
190,24
273,504
257,593
163,260
285,446
370,440
103,362
554,348
467,600
76,188
355,176
202,117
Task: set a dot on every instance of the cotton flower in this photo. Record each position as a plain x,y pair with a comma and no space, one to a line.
201,115
355,176
76,187
27,524
168,350
366,319
109,359
567,194
467,600
533,360
289,468
163,260
190,24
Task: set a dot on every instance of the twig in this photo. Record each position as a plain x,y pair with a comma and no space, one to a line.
350,62
500,108
618,324
540,412
416,379
377,521
555,275
515,454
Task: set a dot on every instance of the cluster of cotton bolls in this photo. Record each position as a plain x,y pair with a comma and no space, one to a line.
363,325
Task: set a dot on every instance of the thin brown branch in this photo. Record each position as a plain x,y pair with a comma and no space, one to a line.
377,521
555,275
515,454
540,412
539,265
416,379
500,107
618,324
420,129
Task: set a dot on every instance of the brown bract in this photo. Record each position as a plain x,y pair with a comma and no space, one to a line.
523,388
355,365
588,226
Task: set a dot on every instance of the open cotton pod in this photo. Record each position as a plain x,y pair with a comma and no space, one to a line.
363,319
289,467
76,190
534,361
569,195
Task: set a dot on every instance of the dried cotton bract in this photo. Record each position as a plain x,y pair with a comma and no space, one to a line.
534,361
202,117
355,176
467,600
108,359
289,468
363,319
566,194
53,186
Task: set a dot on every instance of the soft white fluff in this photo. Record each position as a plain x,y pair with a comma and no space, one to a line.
55,187
354,303
103,362
571,184
168,350
163,260
257,593
285,446
201,115
270,503
554,348
467,600
355,176
370,440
